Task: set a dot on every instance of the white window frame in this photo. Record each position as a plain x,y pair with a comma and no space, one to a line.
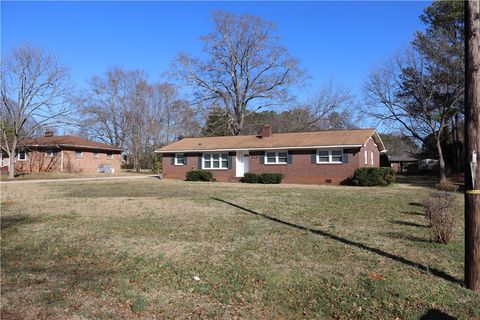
25,152
330,161
277,161
371,158
51,152
220,161
109,155
95,154
176,163
366,157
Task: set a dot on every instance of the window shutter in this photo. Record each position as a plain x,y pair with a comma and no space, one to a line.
200,156
172,159
313,156
185,159
289,157
229,161
345,156
262,158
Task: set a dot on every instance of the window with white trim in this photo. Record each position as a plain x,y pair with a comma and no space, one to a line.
52,152
371,157
329,156
366,157
110,155
276,157
215,161
22,155
78,153
179,159
95,154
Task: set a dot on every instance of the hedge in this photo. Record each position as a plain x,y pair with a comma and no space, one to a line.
250,178
369,177
199,175
266,178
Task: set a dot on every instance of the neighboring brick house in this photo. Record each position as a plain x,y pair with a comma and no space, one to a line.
320,157
52,153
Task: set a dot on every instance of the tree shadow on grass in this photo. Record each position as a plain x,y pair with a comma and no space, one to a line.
409,223
7,222
438,273
415,204
414,213
435,314
402,236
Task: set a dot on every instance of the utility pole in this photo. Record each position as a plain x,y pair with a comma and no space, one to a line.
472,144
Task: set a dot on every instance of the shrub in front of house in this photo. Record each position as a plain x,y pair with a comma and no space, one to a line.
439,209
271,178
266,178
369,177
199,175
250,178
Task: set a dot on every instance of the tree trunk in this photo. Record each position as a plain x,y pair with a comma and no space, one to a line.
441,161
472,143
11,167
11,159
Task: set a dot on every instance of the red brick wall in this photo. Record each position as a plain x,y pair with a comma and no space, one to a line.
370,146
39,161
179,171
301,170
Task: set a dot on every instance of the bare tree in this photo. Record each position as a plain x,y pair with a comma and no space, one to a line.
246,69
405,92
34,94
122,108
330,108
105,104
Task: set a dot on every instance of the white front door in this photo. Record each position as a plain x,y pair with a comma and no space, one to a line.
241,163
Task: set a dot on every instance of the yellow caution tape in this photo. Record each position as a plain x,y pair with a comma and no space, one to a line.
476,191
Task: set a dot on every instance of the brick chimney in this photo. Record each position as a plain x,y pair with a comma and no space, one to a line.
48,133
266,131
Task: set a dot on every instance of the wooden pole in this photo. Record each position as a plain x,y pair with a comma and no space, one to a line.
472,145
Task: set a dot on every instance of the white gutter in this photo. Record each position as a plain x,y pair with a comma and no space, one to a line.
260,149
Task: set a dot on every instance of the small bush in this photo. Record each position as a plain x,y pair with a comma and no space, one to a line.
369,177
439,209
199,175
250,178
266,178
271,178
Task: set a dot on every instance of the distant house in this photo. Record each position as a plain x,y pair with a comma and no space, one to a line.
52,153
322,157
403,164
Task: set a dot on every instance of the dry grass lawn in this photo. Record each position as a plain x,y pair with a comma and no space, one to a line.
160,249
68,175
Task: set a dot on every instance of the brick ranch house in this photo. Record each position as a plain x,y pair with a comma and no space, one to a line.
322,157
52,153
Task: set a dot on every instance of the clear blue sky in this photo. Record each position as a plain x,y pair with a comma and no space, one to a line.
333,40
